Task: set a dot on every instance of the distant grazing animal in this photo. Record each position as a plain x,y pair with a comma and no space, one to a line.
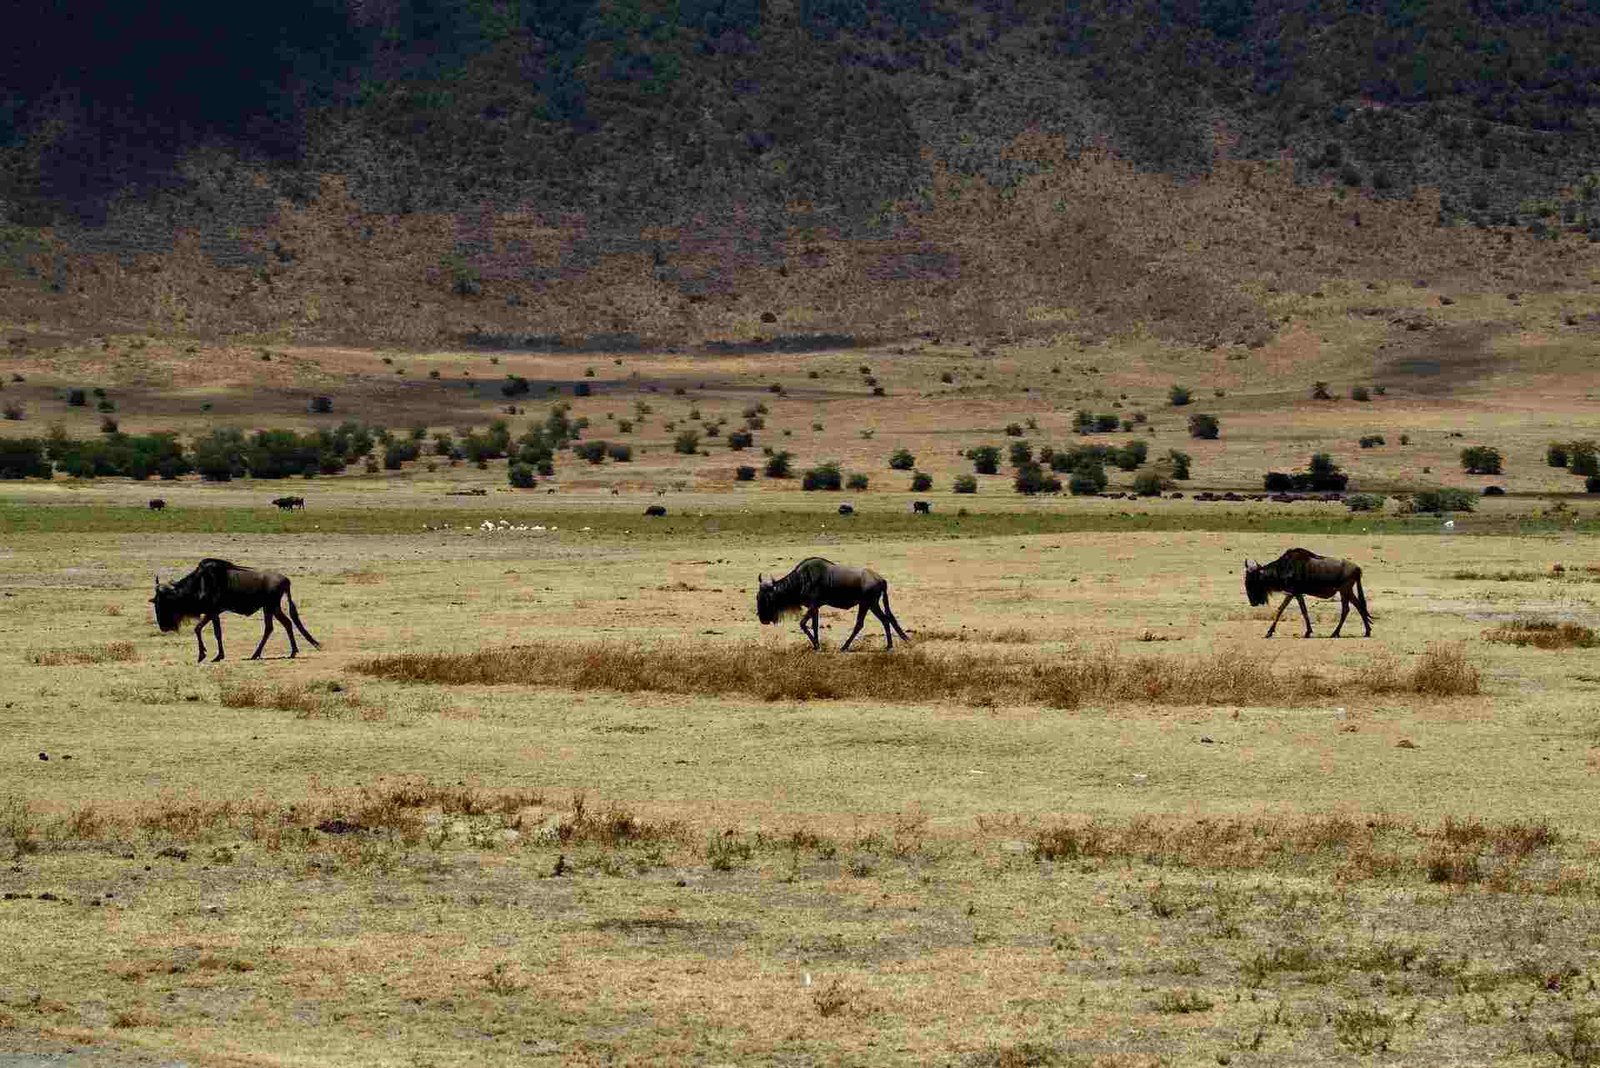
846,509
815,582
287,503
156,504
656,509
1494,491
217,586
1299,572
921,508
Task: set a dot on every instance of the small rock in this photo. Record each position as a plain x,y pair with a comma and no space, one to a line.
44,756
1406,743
1206,739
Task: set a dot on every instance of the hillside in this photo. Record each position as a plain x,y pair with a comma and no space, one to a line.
626,174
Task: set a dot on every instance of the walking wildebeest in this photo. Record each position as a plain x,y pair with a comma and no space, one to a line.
847,509
156,504
921,508
656,510
1299,572
815,582
286,503
217,586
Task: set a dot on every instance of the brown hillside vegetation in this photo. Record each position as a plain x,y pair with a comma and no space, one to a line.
1086,247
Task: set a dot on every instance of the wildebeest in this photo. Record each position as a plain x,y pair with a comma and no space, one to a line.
217,586
1299,572
847,509
656,510
921,508
286,503
156,504
815,582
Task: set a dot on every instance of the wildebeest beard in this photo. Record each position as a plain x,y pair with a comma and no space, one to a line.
771,606
170,613
1255,586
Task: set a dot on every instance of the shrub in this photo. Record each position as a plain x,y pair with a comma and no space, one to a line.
321,405
77,398
1020,453
1013,430
1106,423
23,458
1031,479
779,465
582,389
108,425
921,483
1319,391
520,475
687,442
1405,439
965,484
1364,502
857,482
1441,500
902,460
1584,458
106,405
1204,426
624,426
1277,482
592,451
1481,460
1082,484
1180,462
1360,393
985,459
620,452
1129,458
1178,396
744,473
1371,441
1082,421
1555,454
1592,484
515,385
1148,484
946,377
740,439
824,476
15,412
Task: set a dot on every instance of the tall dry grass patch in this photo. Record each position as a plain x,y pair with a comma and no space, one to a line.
85,654
1066,680
307,700
1543,634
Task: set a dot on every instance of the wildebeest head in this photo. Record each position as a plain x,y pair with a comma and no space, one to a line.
1255,584
767,609
169,606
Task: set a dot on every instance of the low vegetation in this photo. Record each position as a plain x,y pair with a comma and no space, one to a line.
1543,634
110,652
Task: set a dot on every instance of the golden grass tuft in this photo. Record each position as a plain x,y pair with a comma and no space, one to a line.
918,675
1543,634
307,700
85,654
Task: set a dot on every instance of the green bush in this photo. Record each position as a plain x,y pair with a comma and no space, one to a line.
1082,484
687,442
744,473
620,452
1481,460
965,484
740,439
856,482
1278,482
1592,484
1584,458
1371,441
1364,502
592,451
985,459
1180,462
1148,484
1360,393
1130,455
824,476
902,460
1032,478
77,398
520,475
23,458
1555,454
320,405
921,483
1441,500
1319,391
1013,430
1020,453
779,465
1178,396
1204,426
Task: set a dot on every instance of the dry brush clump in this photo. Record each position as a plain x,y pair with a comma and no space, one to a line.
1543,634
307,700
109,652
1065,680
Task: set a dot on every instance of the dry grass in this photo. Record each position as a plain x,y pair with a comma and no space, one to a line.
916,675
307,700
1543,634
85,654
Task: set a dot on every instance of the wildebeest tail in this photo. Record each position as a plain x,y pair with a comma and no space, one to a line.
294,615
1361,595
893,622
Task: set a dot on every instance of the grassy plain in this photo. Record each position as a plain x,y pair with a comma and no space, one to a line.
310,862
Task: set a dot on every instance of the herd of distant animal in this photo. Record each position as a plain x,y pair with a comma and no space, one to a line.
218,586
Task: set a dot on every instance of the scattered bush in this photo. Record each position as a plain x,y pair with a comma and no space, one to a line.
1020,453
1204,426
1441,500
687,442
1013,430
582,389
520,475
740,439
1277,482
592,451
321,405
1319,391
1364,502
1481,460
108,425
1543,634
921,483
1592,484
1555,454
1148,484
1032,478
902,460
1180,462
1405,439
15,412
77,398
824,476
985,459
1371,441
856,482
1360,393
965,484
515,385
23,458
744,473
1178,396
1584,458
779,465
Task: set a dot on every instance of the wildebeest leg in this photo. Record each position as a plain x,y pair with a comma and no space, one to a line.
266,632
816,643
216,628
288,628
890,613
861,618
1303,613
294,614
1344,610
1281,607
200,640
1361,606
888,636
